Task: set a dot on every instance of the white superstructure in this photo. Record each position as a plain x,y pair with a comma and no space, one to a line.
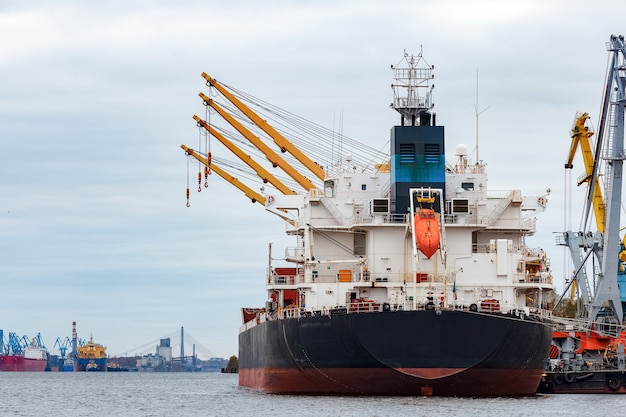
352,250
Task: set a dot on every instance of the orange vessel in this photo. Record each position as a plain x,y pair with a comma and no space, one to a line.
91,357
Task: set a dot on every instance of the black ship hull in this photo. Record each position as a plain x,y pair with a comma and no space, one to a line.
584,382
442,353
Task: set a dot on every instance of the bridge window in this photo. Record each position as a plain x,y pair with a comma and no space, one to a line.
467,186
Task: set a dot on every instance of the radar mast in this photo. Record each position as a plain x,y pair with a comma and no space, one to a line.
412,90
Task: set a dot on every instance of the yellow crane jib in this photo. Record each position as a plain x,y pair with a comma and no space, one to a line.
249,192
272,156
581,135
282,142
264,174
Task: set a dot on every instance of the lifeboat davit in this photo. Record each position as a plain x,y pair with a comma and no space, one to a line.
426,229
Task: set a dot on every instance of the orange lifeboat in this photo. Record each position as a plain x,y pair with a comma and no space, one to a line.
426,229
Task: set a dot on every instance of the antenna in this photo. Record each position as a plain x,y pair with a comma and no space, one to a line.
478,113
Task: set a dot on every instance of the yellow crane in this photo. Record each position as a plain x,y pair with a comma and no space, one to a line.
580,136
249,192
265,175
272,156
284,144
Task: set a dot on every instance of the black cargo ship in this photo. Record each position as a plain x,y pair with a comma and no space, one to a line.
443,353
407,276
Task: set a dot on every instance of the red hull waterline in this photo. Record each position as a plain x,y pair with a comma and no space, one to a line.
13,363
459,382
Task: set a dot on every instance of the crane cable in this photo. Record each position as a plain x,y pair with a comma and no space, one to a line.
188,182
207,168
199,163
568,279
319,133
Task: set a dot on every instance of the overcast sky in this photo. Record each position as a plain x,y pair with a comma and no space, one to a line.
96,98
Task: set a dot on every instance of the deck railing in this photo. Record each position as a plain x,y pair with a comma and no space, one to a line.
374,307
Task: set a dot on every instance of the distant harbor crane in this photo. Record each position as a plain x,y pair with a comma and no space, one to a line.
63,345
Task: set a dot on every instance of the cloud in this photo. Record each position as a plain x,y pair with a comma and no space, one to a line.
98,97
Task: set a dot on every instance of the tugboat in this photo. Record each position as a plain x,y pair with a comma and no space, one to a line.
116,367
407,276
587,352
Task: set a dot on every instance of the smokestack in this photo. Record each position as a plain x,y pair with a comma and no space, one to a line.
74,339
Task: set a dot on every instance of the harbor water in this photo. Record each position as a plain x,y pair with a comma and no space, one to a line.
214,394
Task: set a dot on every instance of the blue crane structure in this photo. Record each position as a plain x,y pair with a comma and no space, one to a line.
63,345
601,292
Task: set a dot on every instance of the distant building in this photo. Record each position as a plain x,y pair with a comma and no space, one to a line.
161,361
164,350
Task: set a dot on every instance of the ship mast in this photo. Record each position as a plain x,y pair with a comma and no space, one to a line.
412,90
478,113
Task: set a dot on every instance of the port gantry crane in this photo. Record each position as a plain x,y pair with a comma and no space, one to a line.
601,295
63,346
16,344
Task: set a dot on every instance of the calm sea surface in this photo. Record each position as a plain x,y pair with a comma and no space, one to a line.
211,394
